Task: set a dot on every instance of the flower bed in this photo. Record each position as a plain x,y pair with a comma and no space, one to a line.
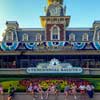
22,83
45,83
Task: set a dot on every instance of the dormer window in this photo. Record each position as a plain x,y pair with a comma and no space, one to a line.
38,37
85,37
25,37
9,36
72,37
55,33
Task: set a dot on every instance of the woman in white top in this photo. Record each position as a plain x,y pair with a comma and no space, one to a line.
82,89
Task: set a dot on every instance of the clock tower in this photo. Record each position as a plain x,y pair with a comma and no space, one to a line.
55,21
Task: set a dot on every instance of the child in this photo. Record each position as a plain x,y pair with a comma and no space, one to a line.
30,88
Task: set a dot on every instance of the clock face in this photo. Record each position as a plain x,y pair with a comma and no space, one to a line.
55,11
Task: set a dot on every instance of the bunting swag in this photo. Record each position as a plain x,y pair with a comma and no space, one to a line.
56,44
79,46
9,46
31,45
96,45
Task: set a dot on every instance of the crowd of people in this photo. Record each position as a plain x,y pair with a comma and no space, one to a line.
54,88
69,89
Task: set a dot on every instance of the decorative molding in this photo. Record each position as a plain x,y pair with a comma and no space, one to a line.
85,37
58,32
25,37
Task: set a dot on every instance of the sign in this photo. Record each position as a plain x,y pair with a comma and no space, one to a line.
54,66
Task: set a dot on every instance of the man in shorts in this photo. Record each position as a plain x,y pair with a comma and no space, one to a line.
11,92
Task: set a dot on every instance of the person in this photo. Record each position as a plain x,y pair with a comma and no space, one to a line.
1,89
90,90
35,88
1,92
38,89
51,89
74,90
11,92
57,88
82,89
67,91
30,88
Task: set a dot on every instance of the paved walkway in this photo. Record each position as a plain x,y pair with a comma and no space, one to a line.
61,96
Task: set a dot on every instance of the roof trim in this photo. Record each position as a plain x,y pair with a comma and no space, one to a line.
79,29
32,29
68,29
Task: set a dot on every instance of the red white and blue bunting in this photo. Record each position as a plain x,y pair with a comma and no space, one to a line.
79,45
56,44
9,46
30,45
96,45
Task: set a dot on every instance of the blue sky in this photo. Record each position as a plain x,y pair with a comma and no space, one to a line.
27,12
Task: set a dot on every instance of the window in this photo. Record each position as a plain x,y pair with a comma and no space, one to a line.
85,37
72,37
25,37
98,36
9,36
38,37
55,33
55,36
